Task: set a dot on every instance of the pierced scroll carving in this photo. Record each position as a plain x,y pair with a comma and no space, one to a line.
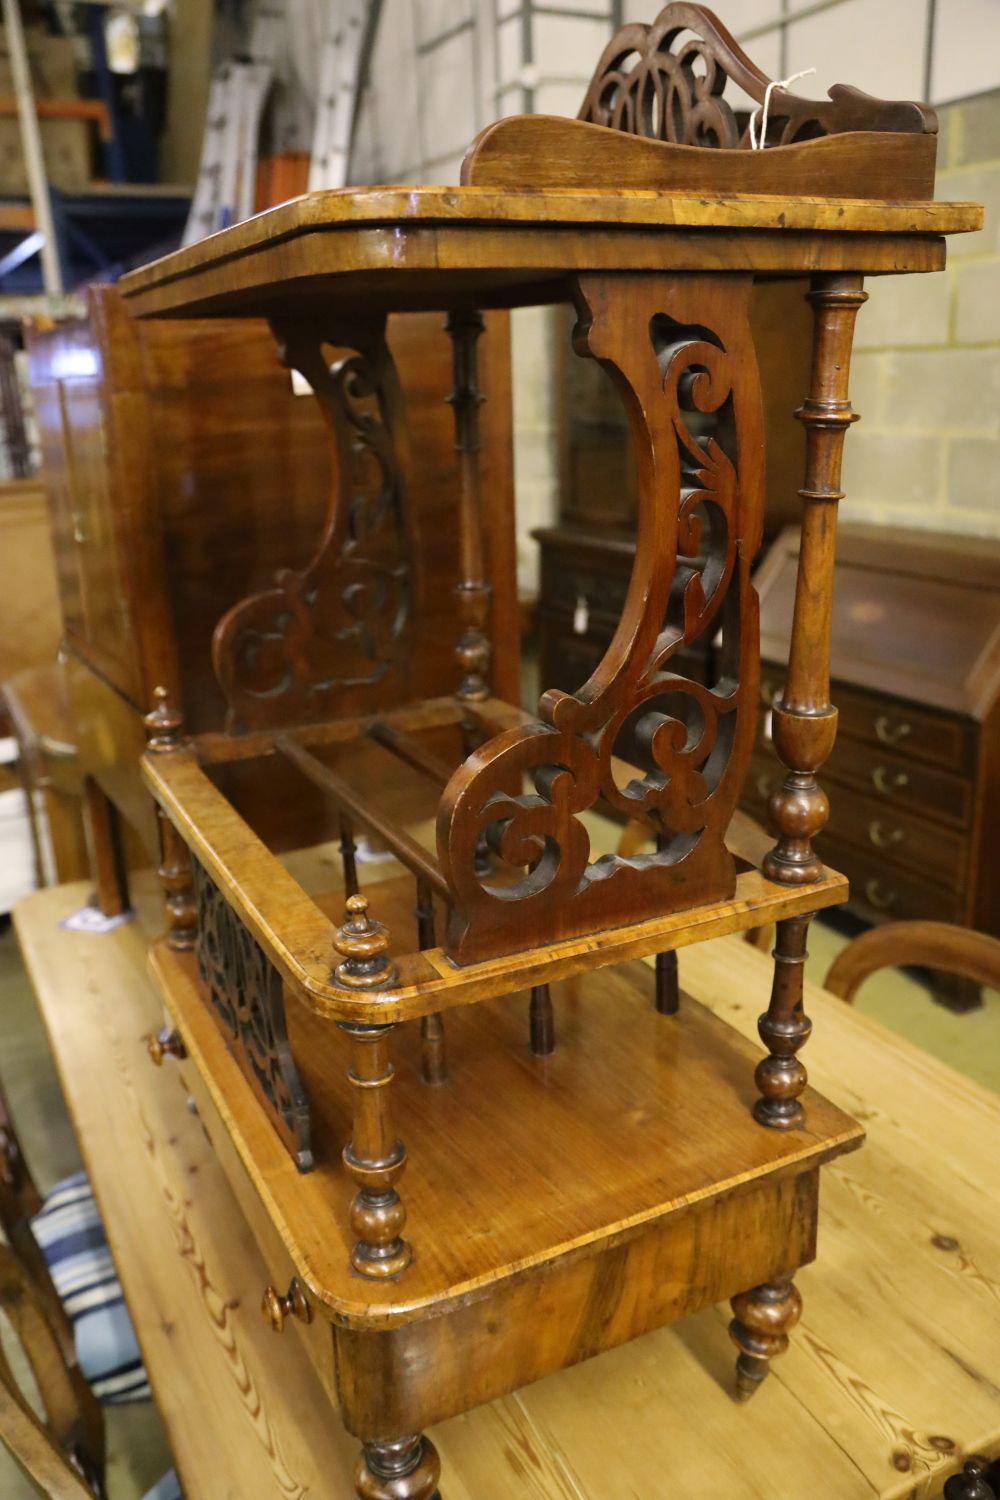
245,991
680,351
666,81
291,653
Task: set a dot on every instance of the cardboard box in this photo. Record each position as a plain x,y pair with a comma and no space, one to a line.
52,60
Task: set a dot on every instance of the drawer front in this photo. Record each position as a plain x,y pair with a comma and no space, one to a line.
317,1336
880,892
897,782
892,779
569,581
567,659
892,837
891,725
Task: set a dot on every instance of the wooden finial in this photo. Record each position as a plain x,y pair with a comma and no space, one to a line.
164,725
363,945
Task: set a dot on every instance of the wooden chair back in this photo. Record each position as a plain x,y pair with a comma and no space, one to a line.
20,1201
934,945
64,1455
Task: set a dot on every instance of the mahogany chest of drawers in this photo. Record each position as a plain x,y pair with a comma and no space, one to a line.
914,778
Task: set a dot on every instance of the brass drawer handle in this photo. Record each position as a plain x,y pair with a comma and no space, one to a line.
889,781
293,1304
876,896
164,1044
882,837
770,693
764,784
890,733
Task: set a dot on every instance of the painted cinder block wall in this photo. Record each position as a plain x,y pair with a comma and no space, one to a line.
926,374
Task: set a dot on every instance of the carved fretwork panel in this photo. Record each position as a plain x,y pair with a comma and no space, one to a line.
290,654
666,81
679,349
247,999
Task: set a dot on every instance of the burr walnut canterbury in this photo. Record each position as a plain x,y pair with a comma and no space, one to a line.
579,1166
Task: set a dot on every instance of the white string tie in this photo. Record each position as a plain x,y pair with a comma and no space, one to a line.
776,83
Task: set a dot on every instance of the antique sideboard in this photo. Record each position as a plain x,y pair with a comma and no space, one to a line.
471,1144
183,471
914,778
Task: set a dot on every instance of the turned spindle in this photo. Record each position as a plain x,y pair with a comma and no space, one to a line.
784,1028
433,1059
542,1021
804,720
374,1156
407,1469
164,735
349,856
759,1329
473,650
668,995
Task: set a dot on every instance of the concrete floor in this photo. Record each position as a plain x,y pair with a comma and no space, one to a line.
137,1448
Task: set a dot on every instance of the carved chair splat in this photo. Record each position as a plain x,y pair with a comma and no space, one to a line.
656,243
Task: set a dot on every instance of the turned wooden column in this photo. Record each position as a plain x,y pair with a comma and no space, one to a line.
804,720
433,1057
164,734
542,1021
348,856
759,1329
473,650
375,1156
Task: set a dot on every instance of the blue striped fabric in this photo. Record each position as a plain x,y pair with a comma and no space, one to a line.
71,1237
168,1488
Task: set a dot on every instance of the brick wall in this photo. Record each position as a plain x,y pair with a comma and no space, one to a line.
926,373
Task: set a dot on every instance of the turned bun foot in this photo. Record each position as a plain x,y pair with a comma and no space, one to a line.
759,1330
972,1483
408,1469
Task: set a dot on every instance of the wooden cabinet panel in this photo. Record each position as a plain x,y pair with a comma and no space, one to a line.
880,892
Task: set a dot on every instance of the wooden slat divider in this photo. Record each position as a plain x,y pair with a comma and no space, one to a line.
407,748
360,810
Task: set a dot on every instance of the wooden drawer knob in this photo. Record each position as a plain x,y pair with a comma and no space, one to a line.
163,1044
292,1305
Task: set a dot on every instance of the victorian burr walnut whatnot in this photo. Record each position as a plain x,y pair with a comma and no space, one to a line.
583,1167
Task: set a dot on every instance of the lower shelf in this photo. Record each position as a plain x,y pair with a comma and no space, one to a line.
517,1164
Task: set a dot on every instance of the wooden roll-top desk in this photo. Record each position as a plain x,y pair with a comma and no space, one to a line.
584,1165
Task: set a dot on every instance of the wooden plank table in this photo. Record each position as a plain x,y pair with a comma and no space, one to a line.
892,1377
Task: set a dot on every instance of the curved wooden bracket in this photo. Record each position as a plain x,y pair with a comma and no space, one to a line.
290,653
680,351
